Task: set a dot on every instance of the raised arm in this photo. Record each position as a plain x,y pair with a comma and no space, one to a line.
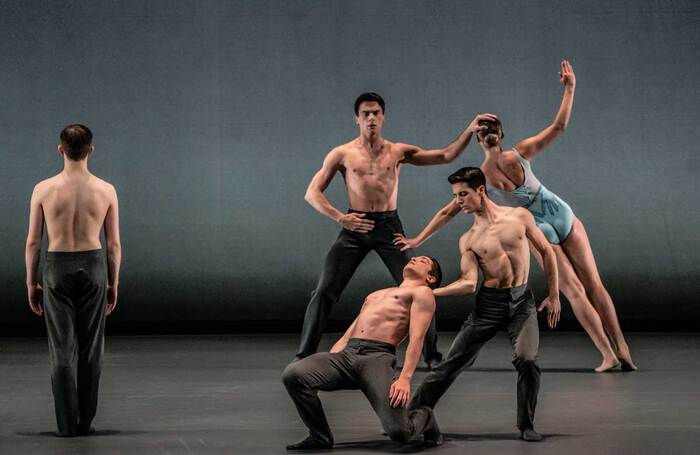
420,157
549,259
315,197
441,218
114,249
422,311
469,268
31,252
531,146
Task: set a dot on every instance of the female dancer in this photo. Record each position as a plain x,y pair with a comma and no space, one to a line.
510,182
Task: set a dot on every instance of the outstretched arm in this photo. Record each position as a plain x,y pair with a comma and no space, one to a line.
441,218
314,196
469,267
422,311
532,145
31,252
540,243
419,157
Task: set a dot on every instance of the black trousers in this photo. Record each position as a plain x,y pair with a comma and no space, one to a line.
510,308
349,249
75,286
364,364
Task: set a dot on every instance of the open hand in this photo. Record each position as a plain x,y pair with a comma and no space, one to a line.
399,392
405,243
553,310
566,74
474,126
356,222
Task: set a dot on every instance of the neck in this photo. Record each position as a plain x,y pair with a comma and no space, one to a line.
71,167
487,213
412,282
372,141
491,151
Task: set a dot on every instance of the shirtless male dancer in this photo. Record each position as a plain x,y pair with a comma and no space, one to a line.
511,182
370,166
364,358
497,243
79,289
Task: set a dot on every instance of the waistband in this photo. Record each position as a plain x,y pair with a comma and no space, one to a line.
514,292
74,255
372,344
377,215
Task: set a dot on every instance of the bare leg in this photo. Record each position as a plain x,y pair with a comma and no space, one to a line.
585,313
578,250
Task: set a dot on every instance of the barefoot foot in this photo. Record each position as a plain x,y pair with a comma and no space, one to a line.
607,365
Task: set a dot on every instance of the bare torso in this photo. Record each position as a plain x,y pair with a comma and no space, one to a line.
501,248
385,315
372,180
74,208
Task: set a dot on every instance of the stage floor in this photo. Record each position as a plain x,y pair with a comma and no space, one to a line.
223,395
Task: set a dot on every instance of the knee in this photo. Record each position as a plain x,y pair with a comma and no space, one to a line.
291,375
573,290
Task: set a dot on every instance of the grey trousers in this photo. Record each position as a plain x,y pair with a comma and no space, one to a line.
364,364
510,308
349,249
74,306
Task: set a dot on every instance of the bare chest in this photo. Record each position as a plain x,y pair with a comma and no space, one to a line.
361,165
506,236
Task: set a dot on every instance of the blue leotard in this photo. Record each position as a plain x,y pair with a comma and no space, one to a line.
554,217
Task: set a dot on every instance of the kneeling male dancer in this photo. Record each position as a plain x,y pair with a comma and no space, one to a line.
79,288
364,358
497,243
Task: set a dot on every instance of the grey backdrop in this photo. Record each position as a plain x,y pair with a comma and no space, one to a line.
210,117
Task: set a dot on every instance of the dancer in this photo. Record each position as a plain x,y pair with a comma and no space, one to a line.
497,243
364,358
79,289
511,182
370,167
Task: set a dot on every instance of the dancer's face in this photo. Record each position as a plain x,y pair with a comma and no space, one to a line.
420,266
370,118
492,135
469,200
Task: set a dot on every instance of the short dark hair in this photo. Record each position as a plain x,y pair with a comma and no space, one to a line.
76,140
368,97
472,176
436,272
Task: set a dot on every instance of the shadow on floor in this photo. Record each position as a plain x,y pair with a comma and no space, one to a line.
383,445
97,433
495,436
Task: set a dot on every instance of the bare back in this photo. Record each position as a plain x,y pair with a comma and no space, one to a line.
386,314
500,247
372,182
74,209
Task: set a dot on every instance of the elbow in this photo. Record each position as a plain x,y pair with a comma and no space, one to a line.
114,248
32,244
470,288
560,126
309,196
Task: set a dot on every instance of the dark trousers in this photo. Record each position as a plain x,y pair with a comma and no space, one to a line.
513,309
74,306
364,364
349,249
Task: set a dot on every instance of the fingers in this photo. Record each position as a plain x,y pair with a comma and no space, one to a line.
110,308
542,305
487,116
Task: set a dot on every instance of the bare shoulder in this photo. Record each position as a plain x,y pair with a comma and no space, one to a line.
103,186
509,157
522,214
45,186
424,295
465,240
